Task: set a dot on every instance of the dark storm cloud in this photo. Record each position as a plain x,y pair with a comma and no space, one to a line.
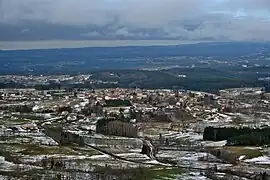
135,19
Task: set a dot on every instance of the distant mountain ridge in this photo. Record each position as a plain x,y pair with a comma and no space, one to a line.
129,57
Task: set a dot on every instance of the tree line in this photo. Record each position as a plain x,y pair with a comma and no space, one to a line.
245,136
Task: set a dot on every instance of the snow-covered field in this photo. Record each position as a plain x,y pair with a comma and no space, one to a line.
191,176
191,159
5,165
263,160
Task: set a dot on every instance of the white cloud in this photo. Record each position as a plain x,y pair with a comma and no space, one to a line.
99,12
191,19
25,30
90,34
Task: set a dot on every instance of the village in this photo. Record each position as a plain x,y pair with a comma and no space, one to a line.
116,133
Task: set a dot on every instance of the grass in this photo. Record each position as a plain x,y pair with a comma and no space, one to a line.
167,173
157,173
14,121
249,153
2,122
20,120
142,173
156,130
47,150
31,149
30,116
86,151
147,174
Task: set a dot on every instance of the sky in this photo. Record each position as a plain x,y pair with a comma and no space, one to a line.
186,20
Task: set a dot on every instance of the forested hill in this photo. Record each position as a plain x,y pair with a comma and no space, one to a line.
85,59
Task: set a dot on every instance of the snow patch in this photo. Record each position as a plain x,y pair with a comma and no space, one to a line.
259,160
104,156
241,157
216,144
156,162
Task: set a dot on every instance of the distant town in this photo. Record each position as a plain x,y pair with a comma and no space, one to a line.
125,133
186,112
